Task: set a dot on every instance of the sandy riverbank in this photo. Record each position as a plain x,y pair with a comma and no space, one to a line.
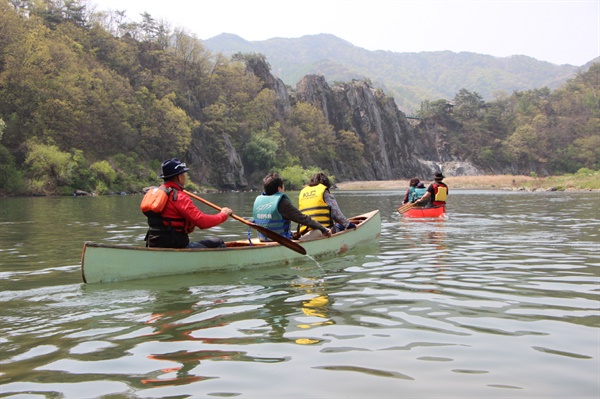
499,182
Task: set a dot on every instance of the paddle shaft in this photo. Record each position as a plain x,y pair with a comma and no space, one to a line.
236,217
269,233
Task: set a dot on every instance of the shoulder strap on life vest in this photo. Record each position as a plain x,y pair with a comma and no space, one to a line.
155,219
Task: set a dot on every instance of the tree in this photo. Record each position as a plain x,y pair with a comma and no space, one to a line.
149,27
104,172
467,105
261,151
10,175
316,139
166,130
295,177
348,146
435,110
48,166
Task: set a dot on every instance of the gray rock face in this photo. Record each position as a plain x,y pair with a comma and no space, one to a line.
377,122
223,168
392,149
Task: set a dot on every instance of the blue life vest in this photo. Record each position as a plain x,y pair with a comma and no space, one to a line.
411,192
418,193
265,214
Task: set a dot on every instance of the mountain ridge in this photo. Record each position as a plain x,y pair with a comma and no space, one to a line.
408,77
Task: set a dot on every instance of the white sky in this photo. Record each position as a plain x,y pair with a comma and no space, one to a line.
560,32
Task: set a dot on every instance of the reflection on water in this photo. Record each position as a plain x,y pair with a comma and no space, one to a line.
499,299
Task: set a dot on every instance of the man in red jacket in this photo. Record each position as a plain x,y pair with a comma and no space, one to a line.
171,227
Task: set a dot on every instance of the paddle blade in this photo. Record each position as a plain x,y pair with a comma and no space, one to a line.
404,208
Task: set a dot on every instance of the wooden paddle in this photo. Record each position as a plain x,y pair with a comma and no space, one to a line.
404,208
294,246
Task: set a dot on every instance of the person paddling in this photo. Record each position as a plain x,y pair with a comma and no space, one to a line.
274,210
317,201
419,192
175,217
412,184
436,194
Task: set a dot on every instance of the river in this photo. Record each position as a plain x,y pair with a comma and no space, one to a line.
498,300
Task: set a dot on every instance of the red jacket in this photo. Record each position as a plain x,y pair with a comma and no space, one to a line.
184,208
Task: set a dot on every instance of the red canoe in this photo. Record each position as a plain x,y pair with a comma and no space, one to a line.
421,212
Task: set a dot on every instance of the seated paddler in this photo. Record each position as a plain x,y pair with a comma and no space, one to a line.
418,193
172,215
275,211
317,201
436,194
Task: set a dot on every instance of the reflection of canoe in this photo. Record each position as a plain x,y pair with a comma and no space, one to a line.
421,212
108,263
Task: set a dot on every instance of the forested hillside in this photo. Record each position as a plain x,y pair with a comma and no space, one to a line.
536,132
94,101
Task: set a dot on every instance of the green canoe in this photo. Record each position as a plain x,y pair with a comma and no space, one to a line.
102,263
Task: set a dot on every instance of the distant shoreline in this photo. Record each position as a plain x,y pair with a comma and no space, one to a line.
494,182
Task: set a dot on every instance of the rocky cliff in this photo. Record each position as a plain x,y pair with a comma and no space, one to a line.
392,148
375,119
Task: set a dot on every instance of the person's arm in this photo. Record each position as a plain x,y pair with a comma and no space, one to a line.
290,212
425,197
336,212
188,211
405,200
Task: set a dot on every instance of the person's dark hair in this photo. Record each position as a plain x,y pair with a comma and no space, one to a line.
320,178
271,183
413,182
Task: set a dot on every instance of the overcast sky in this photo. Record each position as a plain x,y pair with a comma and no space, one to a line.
560,32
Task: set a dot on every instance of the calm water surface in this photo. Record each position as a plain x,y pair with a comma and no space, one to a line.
499,300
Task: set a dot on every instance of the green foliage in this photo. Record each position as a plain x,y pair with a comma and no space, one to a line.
467,105
81,176
585,172
48,166
538,130
94,101
101,188
167,130
261,151
133,175
438,110
315,137
348,146
191,186
295,177
11,177
104,172
583,179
